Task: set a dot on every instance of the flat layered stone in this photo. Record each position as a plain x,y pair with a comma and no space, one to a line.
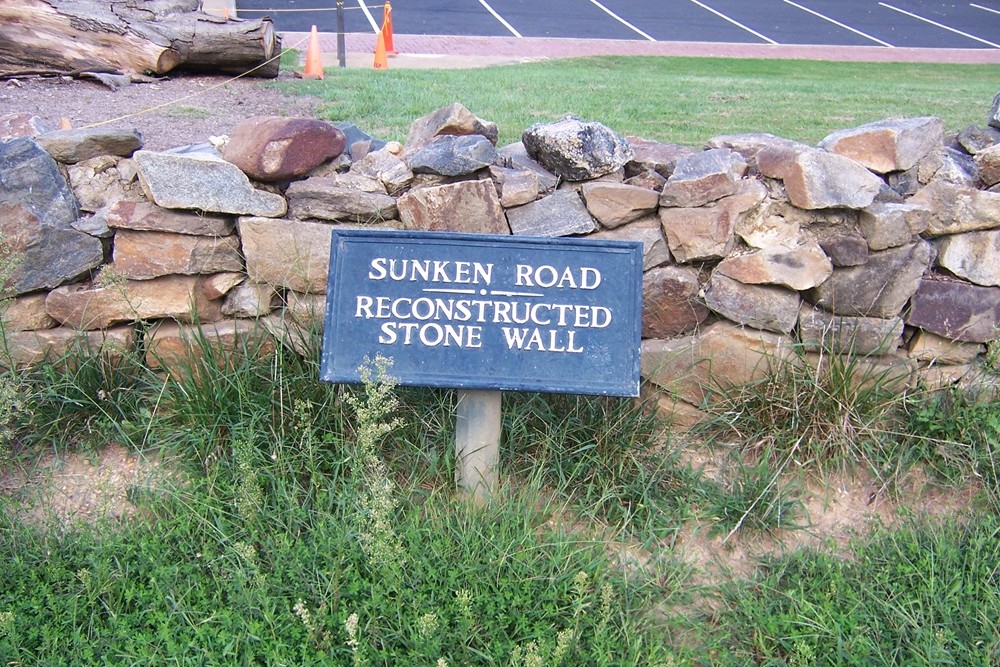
815,179
31,348
703,177
515,156
799,268
956,310
750,144
974,256
306,310
878,288
955,208
577,150
767,230
988,162
892,225
721,356
219,285
561,213
975,139
322,198
143,216
893,144
648,179
821,330
515,186
453,156
648,230
200,181
386,168
467,206
615,204
654,156
18,125
279,148
143,255
25,313
949,165
844,247
287,253
758,306
76,145
708,232
670,302
173,347
454,119
933,349
90,306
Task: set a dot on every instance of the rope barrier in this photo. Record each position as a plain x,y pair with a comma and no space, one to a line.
318,9
200,92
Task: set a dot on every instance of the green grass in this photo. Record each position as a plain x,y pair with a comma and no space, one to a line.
678,100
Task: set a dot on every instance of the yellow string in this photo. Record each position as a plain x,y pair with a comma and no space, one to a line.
200,92
318,9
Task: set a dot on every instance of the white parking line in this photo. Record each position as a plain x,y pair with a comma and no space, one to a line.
838,23
940,25
735,22
985,9
500,18
371,19
621,20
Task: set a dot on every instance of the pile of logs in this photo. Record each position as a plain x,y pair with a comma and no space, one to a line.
70,37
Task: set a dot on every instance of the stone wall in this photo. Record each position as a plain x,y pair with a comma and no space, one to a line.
882,242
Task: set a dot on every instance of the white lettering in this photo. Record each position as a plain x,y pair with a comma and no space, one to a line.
378,269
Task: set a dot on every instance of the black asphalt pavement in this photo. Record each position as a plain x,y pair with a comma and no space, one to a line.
889,23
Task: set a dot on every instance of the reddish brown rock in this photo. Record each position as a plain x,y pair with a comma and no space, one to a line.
17,125
649,231
956,310
89,306
798,268
988,162
707,232
654,156
276,148
249,300
933,349
670,302
30,348
615,204
703,177
454,119
894,144
143,216
172,346
25,313
817,179
287,253
761,307
516,187
143,255
957,208
466,206
322,198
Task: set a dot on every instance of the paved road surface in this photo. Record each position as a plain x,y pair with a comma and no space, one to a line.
885,24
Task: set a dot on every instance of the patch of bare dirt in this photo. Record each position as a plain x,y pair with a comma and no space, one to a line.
79,487
180,110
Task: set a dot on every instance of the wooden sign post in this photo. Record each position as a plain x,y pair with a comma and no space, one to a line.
485,314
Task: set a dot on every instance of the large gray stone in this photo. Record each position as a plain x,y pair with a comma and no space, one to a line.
815,179
320,197
707,232
200,181
72,146
955,208
467,206
761,307
988,162
278,148
29,176
703,177
799,268
880,287
386,168
947,164
515,156
670,302
994,118
454,156
577,150
515,186
975,139
956,310
894,144
561,213
974,256
821,330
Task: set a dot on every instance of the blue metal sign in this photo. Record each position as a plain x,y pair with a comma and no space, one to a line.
476,311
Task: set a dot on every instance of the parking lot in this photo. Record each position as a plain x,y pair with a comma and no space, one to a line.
895,23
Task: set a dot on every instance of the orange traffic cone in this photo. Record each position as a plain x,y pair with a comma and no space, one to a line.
387,28
314,59
380,60
65,123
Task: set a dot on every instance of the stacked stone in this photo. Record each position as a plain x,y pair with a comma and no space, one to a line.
883,241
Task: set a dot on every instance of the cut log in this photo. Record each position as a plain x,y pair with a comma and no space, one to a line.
73,36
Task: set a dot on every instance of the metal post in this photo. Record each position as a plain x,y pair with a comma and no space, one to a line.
477,442
341,48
